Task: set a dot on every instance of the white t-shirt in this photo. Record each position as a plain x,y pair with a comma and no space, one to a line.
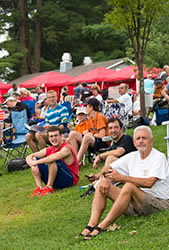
11,91
155,165
98,97
126,100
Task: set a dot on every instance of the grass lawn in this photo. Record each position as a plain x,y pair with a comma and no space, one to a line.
52,222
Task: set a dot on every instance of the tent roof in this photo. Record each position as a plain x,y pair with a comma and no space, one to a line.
5,86
48,79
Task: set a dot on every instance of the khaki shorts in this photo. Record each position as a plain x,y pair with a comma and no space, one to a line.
151,205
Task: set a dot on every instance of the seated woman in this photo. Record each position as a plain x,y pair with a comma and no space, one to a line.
41,109
28,100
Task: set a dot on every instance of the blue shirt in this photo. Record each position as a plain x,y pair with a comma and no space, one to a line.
57,116
149,86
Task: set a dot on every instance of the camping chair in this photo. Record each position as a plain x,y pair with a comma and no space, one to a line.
117,109
15,143
31,106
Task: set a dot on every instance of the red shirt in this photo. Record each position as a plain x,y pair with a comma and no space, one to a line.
74,167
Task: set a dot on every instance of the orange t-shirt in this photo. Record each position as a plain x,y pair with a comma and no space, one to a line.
98,123
80,127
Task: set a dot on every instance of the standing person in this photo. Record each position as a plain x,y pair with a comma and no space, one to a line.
55,115
14,89
145,175
149,85
124,98
85,93
64,93
57,166
76,91
97,129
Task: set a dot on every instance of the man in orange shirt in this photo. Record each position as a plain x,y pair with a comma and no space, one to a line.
97,129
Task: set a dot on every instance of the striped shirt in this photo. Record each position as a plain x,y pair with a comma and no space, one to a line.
57,116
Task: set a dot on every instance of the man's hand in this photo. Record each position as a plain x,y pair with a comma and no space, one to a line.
113,175
31,160
104,185
96,161
93,177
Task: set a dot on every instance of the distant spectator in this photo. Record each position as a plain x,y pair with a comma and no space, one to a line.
149,85
158,88
97,129
14,105
63,94
14,89
76,91
124,98
55,115
40,94
85,93
96,93
164,74
25,95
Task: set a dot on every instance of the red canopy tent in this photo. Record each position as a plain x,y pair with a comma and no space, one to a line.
96,75
50,80
4,87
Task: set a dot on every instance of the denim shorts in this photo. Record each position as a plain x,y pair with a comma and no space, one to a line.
64,177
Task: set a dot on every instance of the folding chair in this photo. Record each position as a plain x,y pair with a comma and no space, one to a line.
15,144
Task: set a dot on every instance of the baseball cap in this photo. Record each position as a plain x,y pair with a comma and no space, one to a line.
10,98
93,102
81,110
158,80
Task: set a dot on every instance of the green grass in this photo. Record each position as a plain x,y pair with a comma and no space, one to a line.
52,222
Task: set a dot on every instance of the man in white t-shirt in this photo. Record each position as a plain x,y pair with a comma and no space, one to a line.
145,175
124,98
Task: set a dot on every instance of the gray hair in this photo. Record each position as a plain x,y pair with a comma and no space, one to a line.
148,129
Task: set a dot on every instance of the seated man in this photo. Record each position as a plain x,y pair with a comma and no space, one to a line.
55,115
121,144
97,129
145,175
57,166
124,98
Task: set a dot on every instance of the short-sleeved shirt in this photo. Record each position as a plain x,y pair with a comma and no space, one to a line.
57,116
80,127
97,124
154,165
126,142
126,100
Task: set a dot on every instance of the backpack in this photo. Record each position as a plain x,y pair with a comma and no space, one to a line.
17,164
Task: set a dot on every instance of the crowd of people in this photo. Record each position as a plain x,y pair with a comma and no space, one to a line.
59,149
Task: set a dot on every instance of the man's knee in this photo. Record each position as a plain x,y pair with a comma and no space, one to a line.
128,188
29,136
40,136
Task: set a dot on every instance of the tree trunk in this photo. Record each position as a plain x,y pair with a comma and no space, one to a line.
37,45
141,79
24,38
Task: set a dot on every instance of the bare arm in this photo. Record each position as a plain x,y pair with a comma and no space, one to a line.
164,93
54,157
139,182
30,159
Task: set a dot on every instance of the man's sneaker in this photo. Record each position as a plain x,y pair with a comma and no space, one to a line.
36,192
47,190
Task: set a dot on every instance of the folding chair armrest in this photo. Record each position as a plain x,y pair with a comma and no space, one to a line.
6,129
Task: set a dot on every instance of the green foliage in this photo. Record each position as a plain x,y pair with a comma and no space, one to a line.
52,222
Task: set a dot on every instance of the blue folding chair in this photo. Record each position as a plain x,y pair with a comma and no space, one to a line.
31,106
15,144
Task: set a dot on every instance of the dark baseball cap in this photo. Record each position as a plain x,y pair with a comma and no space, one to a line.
93,102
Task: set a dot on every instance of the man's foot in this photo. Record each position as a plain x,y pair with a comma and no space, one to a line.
36,192
47,190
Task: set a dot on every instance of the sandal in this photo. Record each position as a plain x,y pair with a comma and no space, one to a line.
89,228
89,236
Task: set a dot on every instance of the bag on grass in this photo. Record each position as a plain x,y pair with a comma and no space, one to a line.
17,164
